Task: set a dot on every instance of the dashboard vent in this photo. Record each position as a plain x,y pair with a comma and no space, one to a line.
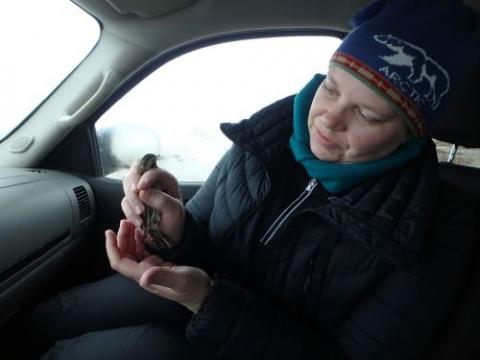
83,202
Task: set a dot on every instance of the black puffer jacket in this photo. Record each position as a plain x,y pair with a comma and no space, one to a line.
357,275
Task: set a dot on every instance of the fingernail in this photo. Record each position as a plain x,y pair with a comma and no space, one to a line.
138,209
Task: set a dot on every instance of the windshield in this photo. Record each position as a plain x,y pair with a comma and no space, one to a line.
42,42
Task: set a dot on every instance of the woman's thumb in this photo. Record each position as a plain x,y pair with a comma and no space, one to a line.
156,198
164,276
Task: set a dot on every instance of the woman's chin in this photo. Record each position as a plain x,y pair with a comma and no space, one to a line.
325,154
327,157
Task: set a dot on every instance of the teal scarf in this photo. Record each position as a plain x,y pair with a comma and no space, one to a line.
337,177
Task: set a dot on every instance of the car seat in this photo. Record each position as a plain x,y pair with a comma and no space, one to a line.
460,337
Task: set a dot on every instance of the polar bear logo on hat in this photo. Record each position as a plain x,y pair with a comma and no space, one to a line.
411,62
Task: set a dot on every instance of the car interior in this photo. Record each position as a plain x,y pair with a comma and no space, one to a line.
56,201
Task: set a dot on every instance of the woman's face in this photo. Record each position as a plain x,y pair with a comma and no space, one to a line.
349,123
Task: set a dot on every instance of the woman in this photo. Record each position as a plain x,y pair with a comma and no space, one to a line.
313,240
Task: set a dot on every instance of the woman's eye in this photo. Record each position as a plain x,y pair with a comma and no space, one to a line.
367,118
330,92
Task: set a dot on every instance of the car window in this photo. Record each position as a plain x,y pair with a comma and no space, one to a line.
42,42
176,111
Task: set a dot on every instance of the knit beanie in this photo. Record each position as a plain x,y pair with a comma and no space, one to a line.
414,53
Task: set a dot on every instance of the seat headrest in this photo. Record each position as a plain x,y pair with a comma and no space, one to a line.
461,123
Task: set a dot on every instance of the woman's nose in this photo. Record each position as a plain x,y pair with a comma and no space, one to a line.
334,118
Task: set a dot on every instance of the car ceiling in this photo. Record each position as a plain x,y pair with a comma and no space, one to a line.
213,17
203,18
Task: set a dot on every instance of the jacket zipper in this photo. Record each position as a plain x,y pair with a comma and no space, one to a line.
267,237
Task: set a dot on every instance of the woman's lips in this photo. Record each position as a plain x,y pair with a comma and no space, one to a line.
324,140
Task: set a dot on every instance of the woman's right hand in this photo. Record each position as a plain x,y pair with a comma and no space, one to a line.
158,189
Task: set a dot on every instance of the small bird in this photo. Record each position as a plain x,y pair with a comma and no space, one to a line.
155,241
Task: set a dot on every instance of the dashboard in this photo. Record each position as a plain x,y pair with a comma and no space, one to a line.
44,215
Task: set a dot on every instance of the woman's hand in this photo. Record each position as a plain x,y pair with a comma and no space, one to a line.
126,252
184,284
158,189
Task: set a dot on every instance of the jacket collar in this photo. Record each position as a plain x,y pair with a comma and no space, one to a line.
266,132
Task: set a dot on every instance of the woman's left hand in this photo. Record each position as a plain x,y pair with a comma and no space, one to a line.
186,285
